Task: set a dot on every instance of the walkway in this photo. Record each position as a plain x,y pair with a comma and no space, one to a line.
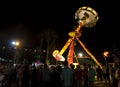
102,84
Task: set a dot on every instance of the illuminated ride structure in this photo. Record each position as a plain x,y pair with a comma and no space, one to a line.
87,17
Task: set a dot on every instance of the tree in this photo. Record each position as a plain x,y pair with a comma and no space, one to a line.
40,36
48,37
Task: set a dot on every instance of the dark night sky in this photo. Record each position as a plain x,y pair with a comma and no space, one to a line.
23,21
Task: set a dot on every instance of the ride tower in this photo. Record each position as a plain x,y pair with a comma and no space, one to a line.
87,17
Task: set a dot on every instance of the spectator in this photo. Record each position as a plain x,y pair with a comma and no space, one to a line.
99,73
78,76
67,75
46,76
91,76
116,81
85,74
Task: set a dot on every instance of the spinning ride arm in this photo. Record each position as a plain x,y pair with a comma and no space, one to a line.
66,45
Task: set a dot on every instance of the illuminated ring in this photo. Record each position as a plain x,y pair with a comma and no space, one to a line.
88,13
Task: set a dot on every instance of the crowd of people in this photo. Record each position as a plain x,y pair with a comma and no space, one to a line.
57,76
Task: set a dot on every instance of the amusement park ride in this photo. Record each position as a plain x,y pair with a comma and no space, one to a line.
87,17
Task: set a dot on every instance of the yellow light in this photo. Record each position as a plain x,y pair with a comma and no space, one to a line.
55,52
106,53
71,34
17,43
